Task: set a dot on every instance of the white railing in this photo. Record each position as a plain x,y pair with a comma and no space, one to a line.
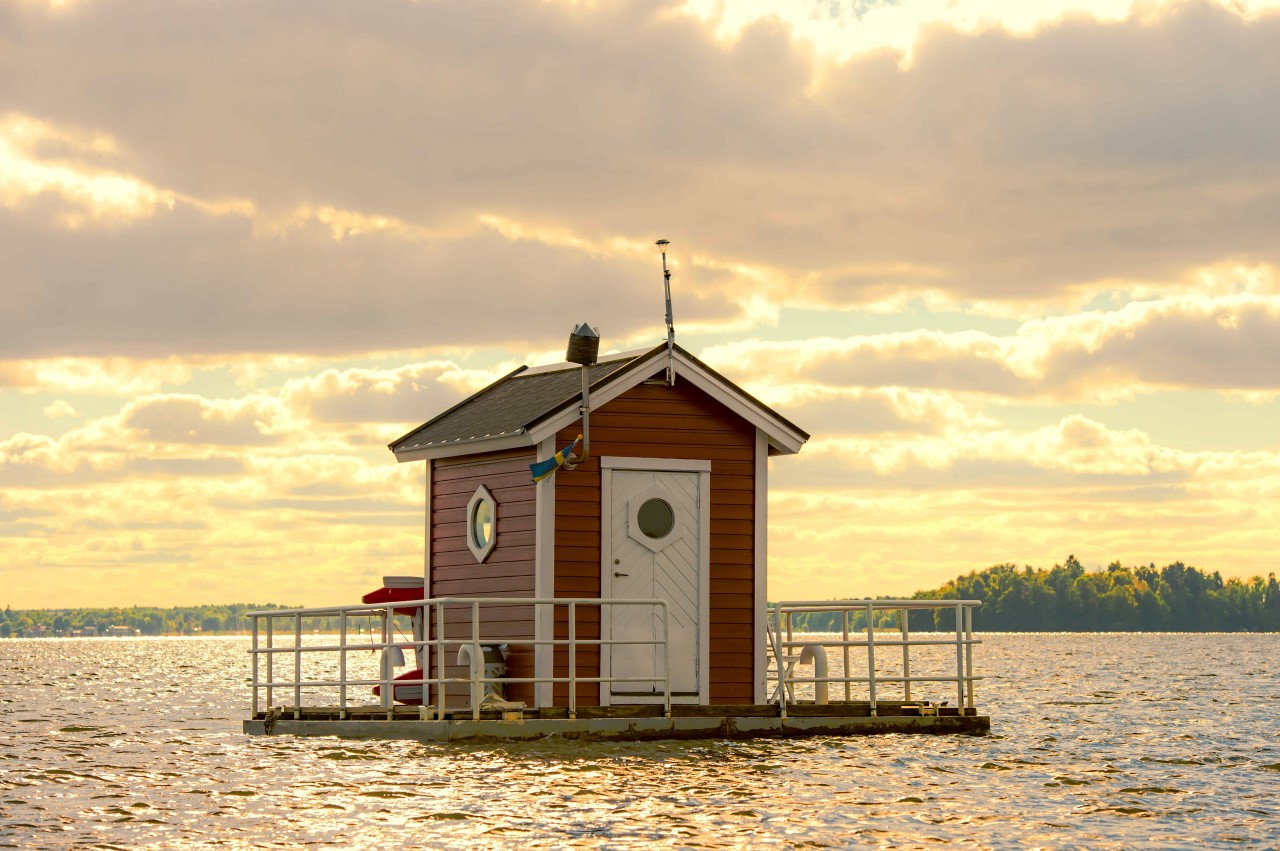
265,650
787,653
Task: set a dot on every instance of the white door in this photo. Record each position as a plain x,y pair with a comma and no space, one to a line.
657,546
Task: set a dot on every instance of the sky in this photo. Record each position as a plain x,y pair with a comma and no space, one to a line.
1013,265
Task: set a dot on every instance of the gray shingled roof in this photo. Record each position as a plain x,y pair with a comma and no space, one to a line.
509,406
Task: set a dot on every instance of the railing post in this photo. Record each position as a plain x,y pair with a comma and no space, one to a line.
440,686
906,654
968,652
844,634
297,667
271,658
342,664
871,656
254,653
773,629
786,615
573,660
960,656
666,660
384,666
477,661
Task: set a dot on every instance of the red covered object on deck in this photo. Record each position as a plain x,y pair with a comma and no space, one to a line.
397,588
408,695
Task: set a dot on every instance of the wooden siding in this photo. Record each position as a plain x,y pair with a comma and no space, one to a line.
656,421
507,572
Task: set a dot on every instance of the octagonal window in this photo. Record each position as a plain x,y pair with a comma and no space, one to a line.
482,523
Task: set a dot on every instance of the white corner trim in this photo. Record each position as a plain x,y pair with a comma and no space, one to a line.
760,565
606,580
704,586
481,552
426,554
544,577
665,465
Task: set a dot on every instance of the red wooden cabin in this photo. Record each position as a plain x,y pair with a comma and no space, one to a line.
671,504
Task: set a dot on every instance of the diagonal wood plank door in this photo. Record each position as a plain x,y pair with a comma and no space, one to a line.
655,529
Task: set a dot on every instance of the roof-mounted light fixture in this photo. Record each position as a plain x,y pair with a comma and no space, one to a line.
661,245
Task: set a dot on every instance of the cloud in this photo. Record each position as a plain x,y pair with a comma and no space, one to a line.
59,409
1073,453
108,376
1225,342
283,233
404,395
890,412
995,167
1230,342
191,420
186,281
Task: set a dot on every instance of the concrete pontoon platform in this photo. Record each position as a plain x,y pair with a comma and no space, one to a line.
624,723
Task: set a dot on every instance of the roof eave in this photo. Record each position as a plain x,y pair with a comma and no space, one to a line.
393,444
454,448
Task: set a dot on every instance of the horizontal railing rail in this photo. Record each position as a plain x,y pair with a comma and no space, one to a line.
784,658
430,636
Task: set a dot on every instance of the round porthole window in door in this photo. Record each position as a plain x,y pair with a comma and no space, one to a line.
656,518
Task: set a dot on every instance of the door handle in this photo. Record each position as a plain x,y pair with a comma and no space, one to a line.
616,574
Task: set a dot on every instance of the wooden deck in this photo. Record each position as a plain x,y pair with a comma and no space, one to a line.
622,723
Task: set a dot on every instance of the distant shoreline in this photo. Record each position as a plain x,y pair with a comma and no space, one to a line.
886,630
1066,598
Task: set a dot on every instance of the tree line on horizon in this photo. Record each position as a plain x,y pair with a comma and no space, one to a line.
1064,598
227,619
1069,598
147,620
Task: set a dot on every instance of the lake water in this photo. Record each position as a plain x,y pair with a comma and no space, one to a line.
1098,741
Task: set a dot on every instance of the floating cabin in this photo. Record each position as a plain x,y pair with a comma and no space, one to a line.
664,497
669,504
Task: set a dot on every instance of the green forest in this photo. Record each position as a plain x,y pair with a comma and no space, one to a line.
1064,598
1069,598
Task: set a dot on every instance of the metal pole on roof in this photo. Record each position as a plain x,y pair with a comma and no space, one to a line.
671,329
584,347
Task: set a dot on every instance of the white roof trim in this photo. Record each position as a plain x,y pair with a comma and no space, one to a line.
613,387
454,448
781,436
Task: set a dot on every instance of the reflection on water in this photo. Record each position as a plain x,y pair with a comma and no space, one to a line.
1111,741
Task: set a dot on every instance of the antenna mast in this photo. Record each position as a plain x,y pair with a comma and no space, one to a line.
671,328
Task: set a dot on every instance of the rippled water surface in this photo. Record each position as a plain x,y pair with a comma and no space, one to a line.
1114,741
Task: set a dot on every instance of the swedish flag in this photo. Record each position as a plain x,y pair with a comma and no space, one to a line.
542,469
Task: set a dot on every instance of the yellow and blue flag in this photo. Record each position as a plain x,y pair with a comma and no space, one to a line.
542,469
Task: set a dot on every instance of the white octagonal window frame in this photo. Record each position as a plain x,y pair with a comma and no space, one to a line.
482,498
633,517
